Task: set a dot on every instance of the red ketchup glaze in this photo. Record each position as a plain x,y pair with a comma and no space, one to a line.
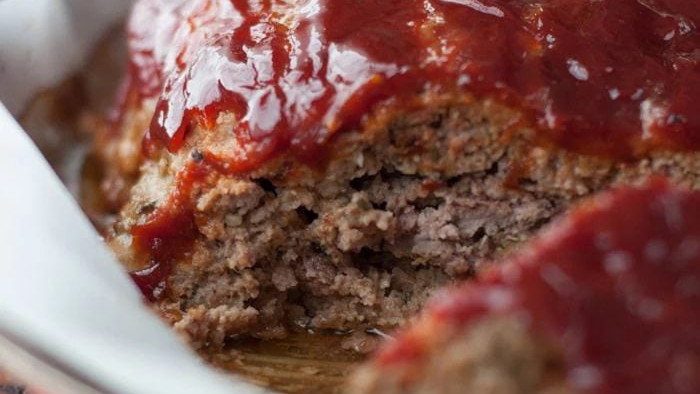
616,285
607,77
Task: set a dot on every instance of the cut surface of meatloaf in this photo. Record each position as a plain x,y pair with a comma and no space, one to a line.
326,164
604,301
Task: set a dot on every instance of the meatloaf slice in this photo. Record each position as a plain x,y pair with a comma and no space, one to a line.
605,301
326,164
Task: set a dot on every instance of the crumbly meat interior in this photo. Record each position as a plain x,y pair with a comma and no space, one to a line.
407,203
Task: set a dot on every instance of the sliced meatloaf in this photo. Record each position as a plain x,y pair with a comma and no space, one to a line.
326,164
605,301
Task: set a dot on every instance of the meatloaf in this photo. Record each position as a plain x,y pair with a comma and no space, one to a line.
326,164
605,301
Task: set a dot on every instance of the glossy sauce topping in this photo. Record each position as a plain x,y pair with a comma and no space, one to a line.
608,77
617,286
